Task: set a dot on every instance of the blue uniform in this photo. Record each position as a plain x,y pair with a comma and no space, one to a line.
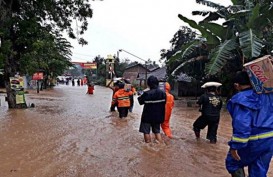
252,122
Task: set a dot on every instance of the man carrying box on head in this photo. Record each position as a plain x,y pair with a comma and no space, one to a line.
251,144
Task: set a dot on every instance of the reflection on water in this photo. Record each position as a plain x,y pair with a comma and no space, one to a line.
70,133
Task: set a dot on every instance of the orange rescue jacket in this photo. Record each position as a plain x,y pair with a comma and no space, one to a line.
122,98
169,102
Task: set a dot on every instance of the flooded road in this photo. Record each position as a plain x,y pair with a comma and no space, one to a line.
73,134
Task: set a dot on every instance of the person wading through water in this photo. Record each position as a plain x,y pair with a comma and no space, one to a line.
153,113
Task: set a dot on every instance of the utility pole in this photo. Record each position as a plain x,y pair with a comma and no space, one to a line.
146,69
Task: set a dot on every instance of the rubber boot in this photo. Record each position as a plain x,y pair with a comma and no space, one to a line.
238,173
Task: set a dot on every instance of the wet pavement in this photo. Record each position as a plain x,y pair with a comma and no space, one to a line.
72,134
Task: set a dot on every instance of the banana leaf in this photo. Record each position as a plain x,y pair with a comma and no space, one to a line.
211,38
219,56
250,44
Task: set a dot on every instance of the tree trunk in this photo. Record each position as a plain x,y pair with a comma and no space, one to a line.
11,65
10,69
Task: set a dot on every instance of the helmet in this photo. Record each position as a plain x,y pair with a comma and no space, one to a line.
167,87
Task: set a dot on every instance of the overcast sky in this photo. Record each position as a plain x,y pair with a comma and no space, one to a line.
141,27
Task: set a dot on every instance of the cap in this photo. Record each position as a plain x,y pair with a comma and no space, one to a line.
211,84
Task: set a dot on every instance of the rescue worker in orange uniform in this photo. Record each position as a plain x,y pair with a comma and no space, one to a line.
122,99
168,111
114,88
90,88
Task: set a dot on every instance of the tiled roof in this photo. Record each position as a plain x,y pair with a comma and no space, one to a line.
159,73
152,68
131,65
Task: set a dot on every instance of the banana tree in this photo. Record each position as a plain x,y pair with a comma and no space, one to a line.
238,36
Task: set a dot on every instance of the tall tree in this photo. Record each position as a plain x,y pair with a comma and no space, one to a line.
184,43
44,16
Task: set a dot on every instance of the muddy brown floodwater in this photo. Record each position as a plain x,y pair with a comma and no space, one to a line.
72,134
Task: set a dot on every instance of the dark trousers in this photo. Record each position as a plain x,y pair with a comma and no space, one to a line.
131,103
210,121
123,111
112,108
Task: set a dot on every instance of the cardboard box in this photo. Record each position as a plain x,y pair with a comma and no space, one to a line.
260,72
127,87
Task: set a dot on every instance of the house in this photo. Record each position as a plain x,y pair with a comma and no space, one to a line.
136,73
185,85
160,73
133,71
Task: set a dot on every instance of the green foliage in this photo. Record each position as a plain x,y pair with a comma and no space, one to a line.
4,50
250,44
184,44
241,18
216,29
218,56
211,38
34,31
120,68
245,34
188,50
253,16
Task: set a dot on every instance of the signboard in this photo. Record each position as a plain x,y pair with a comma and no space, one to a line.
38,76
16,83
89,65
20,97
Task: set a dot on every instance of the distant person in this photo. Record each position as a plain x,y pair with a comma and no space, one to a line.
85,80
78,82
114,88
153,112
90,88
168,111
73,82
251,144
210,106
132,98
81,82
122,99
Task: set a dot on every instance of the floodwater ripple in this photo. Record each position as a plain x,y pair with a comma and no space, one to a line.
70,133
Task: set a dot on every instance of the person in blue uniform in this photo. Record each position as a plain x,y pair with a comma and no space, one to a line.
251,144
